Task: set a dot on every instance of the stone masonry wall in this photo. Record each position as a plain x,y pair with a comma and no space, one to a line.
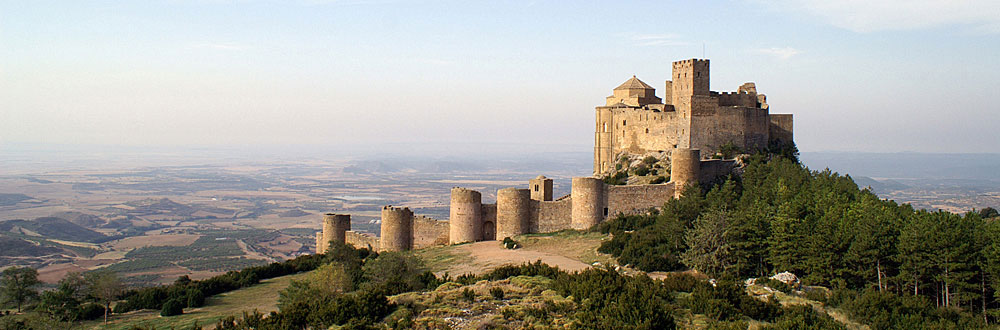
362,240
715,168
550,216
781,127
429,232
637,198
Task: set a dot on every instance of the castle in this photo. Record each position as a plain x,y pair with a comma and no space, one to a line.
633,121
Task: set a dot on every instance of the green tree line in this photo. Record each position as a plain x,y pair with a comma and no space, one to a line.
780,216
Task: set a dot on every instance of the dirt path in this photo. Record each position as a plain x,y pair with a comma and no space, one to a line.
490,254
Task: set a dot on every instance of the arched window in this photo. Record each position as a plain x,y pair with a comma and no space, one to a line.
605,127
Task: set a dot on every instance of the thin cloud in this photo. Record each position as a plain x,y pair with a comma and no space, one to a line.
783,53
646,40
897,15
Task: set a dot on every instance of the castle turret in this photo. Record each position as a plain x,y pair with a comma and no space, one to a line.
466,220
541,188
335,227
685,168
588,205
397,229
513,212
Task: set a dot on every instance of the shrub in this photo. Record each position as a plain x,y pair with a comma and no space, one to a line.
658,180
774,284
617,179
172,307
642,170
497,293
509,243
729,150
468,294
195,298
90,311
394,273
650,160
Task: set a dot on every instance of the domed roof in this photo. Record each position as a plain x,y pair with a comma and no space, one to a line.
633,83
541,177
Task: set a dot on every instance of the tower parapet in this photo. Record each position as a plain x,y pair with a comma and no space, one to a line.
685,167
466,218
588,203
513,212
397,229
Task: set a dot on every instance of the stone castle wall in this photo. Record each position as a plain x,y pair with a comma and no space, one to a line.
362,240
550,216
429,232
636,199
780,127
590,203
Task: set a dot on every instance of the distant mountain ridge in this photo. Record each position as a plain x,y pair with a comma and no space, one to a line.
52,228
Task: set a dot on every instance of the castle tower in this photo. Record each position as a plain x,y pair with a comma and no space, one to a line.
603,146
541,188
690,77
588,204
397,229
513,212
335,227
466,219
685,168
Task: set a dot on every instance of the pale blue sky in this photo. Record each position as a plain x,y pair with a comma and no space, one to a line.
859,76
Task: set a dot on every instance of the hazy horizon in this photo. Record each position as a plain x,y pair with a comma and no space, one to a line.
886,77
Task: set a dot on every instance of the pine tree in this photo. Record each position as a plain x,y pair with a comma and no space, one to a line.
708,245
874,240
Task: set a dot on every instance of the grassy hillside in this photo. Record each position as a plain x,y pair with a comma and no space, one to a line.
262,297
515,302
18,247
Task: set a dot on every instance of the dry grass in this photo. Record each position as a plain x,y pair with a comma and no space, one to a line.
572,244
262,297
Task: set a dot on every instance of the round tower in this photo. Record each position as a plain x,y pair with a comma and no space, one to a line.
465,223
587,202
397,229
335,227
513,212
685,167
